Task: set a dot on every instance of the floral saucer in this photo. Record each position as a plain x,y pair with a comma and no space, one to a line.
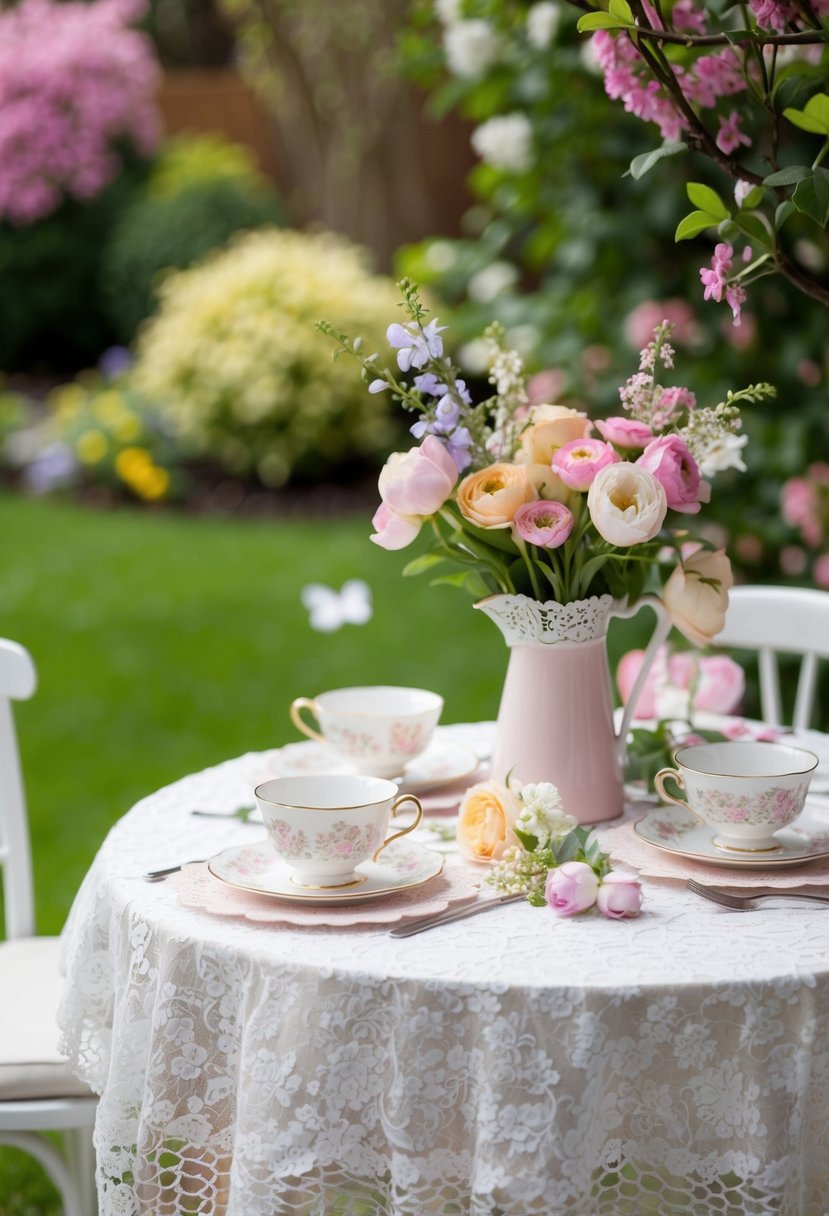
255,867
441,763
675,830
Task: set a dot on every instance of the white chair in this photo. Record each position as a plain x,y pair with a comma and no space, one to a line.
780,620
38,1093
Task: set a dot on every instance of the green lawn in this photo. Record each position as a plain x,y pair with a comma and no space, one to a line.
166,643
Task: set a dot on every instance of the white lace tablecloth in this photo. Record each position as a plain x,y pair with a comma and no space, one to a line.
514,1064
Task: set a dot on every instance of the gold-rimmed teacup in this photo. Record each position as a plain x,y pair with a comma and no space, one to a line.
744,790
325,826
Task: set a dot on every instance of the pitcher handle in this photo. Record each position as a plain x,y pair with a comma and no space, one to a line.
659,635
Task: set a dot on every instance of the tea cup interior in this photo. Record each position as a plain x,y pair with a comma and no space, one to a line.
746,759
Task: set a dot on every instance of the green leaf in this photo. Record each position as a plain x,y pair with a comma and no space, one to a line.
536,898
495,538
811,197
813,117
753,198
425,562
782,213
622,10
600,21
707,200
640,165
529,842
789,176
754,228
695,223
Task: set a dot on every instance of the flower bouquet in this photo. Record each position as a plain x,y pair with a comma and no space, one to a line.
555,522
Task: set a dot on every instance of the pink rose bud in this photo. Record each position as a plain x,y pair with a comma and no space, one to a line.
619,896
625,432
571,888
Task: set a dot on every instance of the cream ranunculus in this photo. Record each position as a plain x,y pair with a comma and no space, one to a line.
627,504
696,595
490,497
486,818
547,484
550,427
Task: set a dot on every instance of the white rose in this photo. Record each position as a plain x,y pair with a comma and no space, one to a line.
471,47
696,595
542,24
627,504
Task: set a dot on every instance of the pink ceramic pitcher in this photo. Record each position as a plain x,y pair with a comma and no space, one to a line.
555,722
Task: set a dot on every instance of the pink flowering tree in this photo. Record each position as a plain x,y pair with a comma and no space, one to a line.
76,88
746,91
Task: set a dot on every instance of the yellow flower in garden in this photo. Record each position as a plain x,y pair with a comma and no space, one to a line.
91,446
108,407
136,469
68,400
127,427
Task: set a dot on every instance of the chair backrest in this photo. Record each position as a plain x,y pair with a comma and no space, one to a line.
18,680
780,620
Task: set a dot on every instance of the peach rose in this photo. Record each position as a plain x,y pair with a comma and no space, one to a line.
551,426
696,595
490,497
485,821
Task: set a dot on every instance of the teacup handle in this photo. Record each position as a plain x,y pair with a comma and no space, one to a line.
296,707
403,831
671,774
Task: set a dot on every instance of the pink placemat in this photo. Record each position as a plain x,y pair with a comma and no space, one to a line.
628,849
197,888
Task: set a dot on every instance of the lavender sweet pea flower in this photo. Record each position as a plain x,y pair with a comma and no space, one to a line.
416,345
427,382
459,444
447,415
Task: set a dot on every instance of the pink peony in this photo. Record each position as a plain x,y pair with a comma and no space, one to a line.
625,432
578,461
619,896
543,523
571,888
671,463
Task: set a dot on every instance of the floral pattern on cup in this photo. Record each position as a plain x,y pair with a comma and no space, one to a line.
775,806
355,743
408,739
673,826
342,842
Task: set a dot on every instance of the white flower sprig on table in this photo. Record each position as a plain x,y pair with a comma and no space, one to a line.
538,849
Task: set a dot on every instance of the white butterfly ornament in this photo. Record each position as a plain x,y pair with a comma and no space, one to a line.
329,610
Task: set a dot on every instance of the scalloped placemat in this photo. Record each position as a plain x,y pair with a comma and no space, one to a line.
196,887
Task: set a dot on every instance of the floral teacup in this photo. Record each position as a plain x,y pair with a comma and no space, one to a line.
324,827
746,791
379,729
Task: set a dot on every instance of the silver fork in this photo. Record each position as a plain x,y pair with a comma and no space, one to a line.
746,902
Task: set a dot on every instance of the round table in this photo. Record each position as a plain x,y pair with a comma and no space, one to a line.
514,1064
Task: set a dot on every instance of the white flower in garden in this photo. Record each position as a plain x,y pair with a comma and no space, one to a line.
474,356
471,47
440,255
523,338
491,281
542,815
742,189
542,24
505,142
725,452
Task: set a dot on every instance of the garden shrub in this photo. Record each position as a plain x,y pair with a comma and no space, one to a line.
157,234
245,378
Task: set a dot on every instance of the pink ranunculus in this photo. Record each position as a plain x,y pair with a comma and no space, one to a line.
543,523
627,504
418,482
393,531
671,463
628,669
578,461
571,888
720,686
625,432
618,896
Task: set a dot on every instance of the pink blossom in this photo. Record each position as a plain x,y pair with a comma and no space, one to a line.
643,320
578,461
716,683
75,83
721,684
546,387
547,524
735,295
624,432
672,401
793,560
714,280
619,896
571,888
418,482
773,14
820,570
730,137
672,464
